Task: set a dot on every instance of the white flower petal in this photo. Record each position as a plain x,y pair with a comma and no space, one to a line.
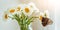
47,13
33,6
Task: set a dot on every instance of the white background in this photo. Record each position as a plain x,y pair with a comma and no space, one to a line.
53,6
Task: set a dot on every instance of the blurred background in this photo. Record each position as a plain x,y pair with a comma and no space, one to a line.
53,6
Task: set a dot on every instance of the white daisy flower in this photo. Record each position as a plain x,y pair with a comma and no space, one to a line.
41,15
27,11
14,10
33,6
5,15
11,11
18,8
44,14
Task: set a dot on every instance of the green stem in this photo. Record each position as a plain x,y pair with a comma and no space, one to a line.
23,27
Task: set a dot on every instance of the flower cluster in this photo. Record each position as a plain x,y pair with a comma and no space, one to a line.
24,13
28,10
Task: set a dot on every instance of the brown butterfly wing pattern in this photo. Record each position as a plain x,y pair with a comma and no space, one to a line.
46,21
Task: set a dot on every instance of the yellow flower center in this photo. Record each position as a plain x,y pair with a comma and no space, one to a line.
12,10
40,18
18,8
26,10
6,16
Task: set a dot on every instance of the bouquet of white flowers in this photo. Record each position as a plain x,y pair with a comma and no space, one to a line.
24,15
